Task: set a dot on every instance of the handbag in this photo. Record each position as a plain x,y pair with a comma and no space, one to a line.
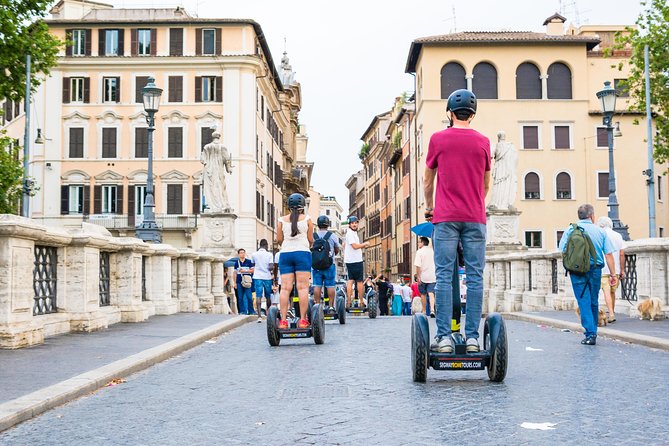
247,280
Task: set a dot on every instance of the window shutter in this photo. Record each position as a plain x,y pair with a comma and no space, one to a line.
153,48
133,42
141,142
603,178
530,137
102,50
179,89
119,199
66,90
196,199
118,89
198,41
174,198
97,199
87,200
528,82
87,90
175,89
175,142
76,142
140,82
198,89
64,200
121,42
176,41
217,50
532,190
205,136
562,137
484,82
559,81
219,88
452,78
109,143
68,38
89,36
602,137
563,185
131,205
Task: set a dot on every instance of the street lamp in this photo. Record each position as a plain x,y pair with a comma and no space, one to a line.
148,230
607,97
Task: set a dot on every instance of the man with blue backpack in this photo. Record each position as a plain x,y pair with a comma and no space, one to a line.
323,251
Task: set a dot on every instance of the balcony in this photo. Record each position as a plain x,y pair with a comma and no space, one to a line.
125,222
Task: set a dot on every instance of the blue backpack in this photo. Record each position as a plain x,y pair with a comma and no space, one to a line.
320,252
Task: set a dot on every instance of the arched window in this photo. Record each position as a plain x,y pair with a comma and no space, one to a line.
563,186
528,81
484,83
452,78
559,81
532,187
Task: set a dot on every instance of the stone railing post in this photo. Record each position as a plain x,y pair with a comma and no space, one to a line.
539,267
217,290
160,278
203,274
513,298
186,281
129,279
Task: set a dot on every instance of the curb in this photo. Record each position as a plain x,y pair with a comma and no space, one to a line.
626,336
28,406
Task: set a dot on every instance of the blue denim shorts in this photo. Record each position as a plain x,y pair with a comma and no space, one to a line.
325,277
263,287
424,288
296,261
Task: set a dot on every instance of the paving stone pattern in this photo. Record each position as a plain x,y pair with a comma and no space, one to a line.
357,389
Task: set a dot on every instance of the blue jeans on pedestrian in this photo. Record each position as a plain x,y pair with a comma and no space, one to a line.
244,300
406,308
446,236
586,289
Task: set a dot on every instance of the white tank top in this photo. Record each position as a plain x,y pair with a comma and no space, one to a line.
298,243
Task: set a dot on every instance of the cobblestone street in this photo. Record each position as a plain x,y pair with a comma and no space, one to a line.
357,389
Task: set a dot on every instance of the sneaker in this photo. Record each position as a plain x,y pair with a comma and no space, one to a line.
259,319
283,325
432,315
303,323
589,340
442,344
472,345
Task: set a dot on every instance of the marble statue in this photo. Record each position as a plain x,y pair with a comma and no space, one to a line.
217,162
504,175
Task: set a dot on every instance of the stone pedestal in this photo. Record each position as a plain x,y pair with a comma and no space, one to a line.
220,298
204,283
160,292
502,231
217,233
129,282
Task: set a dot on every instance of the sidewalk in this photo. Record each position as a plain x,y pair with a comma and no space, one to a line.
36,379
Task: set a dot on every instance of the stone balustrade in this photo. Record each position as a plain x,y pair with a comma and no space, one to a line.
536,281
53,281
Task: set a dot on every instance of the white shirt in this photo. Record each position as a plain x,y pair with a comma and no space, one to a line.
618,244
298,243
276,262
406,293
352,255
262,260
425,261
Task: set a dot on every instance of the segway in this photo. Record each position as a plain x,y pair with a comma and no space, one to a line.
315,316
493,356
336,312
372,303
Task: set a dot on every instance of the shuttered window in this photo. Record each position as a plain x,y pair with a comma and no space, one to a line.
533,239
175,87
532,186
141,142
559,81
452,78
108,143
175,142
602,137
484,82
140,82
530,137
563,186
176,41
76,142
562,140
528,81
209,89
206,136
174,199
603,184
196,199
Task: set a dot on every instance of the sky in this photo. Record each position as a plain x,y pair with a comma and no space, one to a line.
349,56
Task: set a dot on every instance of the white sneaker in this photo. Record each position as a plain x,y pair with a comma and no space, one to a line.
472,345
442,344
259,320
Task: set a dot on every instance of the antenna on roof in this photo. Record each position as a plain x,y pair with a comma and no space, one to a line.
454,19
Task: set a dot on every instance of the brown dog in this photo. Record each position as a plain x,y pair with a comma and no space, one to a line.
601,318
650,309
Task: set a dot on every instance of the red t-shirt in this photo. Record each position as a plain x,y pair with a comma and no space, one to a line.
414,290
461,157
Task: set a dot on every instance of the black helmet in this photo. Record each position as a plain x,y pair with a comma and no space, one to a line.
352,218
461,100
296,201
323,221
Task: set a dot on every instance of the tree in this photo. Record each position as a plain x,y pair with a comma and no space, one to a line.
11,175
653,30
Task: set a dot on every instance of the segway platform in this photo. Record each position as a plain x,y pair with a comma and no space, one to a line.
372,305
315,330
459,359
338,312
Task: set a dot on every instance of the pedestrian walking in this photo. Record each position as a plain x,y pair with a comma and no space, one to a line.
397,299
459,157
415,292
618,260
243,283
406,297
425,271
582,243
354,261
262,276
382,289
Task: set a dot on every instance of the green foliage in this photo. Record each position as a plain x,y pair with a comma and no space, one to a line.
11,176
23,32
653,30
397,139
364,151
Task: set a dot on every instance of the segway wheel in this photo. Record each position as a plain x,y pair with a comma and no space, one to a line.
495,341
341,309
272,327
318,323
420,336
372,305
309,311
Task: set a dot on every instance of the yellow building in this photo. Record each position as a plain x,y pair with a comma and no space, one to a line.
215,74
540,89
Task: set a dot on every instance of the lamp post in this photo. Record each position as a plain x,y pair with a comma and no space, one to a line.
149,231
607,96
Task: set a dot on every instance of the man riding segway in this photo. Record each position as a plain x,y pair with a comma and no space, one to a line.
324,269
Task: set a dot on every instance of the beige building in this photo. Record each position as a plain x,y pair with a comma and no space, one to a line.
540,89
215,74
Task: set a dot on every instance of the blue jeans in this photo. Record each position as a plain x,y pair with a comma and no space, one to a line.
446,236
263,286
587,298
244,300
406,308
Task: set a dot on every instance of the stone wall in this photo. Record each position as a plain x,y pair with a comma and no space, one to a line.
41,265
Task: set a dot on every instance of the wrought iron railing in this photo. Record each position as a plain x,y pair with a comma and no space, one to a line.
554,276
144,278
630,281
104,279
44,280
122,221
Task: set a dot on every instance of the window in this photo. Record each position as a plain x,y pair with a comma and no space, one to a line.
602,137
176,41
144,42
208,41
484,82
659,188
563,186
140,82
327,212
208,88
531,137
141,142
562,139
206,136
108,142
140,197
109,199
174,199
559,81
111,89
111,42
76,199
533,239
622,87
559,237
532,186
175,142
76,142
79,42
77,89
452,78
661,231
175,89
528,81
602,184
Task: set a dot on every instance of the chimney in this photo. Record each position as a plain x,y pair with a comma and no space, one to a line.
555,25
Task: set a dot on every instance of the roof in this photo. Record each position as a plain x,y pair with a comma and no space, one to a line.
557,16
495,38
376,119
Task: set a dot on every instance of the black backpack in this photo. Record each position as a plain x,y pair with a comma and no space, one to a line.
320,252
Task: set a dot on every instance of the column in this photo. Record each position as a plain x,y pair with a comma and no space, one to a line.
161,278
203,274
188,301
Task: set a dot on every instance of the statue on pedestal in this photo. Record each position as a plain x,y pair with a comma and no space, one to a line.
504,176
217,162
